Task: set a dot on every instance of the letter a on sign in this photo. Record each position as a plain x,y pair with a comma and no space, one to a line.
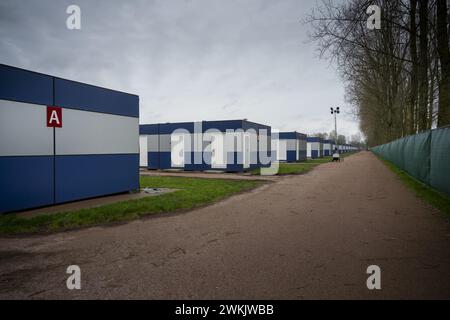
54,117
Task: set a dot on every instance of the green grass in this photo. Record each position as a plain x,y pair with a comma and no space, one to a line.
301,167
437,199
298,167
191,193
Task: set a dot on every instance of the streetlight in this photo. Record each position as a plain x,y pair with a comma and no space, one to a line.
335,112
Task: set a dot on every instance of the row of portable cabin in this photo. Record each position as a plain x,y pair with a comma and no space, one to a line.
318,148
62,140
230,145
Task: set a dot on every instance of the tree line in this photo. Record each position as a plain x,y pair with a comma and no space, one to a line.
397,77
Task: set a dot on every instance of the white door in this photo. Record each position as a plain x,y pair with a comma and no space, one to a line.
177,146
218,152
282,150
143,151
276,148
246,151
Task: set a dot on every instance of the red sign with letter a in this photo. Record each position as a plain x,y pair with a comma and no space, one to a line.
54,117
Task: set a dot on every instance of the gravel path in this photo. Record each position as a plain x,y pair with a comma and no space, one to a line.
302,237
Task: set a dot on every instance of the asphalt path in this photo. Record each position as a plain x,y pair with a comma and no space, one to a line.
301,237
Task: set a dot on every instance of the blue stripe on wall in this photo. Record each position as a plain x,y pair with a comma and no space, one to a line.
287,135
25,86
85,176
222,126
150,129
162,160
25,182
70,94
169,128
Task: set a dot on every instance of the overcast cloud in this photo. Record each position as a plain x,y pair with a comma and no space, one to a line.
188,60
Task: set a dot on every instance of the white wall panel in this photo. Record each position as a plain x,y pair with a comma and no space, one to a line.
282,150
23,129
153,143
291,144
275,148
218,154
85,132
143,151
177,153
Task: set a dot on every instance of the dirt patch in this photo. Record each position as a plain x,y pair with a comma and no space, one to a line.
206,175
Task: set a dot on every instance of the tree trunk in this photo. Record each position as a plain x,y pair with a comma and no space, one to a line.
444,57
413,79
423,66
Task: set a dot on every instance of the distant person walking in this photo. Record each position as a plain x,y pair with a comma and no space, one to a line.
336,156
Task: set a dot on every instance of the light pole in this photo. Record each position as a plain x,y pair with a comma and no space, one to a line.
335,112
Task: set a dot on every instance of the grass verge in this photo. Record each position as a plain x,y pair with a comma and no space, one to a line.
301,167
192,193
437,199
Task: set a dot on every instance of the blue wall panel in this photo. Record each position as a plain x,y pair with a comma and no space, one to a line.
153,160
75,95
33,181
25,182
85,176
314,154
165,161
291,156
222,126
287,135
169,128
149,129
25,86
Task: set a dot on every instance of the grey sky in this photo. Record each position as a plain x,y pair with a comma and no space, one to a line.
188,60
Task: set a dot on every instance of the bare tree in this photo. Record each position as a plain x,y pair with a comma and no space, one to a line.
397,78
442,36
423,65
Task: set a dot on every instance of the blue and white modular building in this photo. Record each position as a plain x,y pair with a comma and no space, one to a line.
333,147
289,146
62,140
314,147
327,148
230,145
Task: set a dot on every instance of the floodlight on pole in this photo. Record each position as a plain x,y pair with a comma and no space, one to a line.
335,112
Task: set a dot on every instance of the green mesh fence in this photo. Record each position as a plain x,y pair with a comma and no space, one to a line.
425,156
